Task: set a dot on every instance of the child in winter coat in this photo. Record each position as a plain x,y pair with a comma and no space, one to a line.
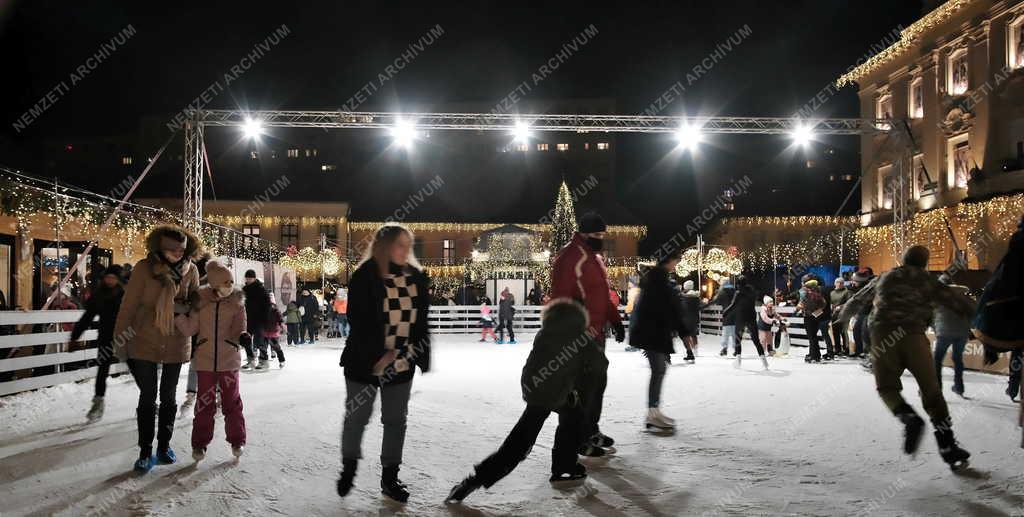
272,332
487,323
292,318
219,319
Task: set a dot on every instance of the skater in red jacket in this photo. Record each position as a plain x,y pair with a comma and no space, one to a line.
579,273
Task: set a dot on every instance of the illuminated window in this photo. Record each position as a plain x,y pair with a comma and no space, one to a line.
331,232
958,154
956,72
448,251
328,167
310,152
915,100
883,109
252,234
602,146
289,235
293,153
562,147
126,160
1015,56
586,146
924,183
886,186
522,147
254,155
542,147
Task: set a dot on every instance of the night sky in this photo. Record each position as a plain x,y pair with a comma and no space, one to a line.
641,49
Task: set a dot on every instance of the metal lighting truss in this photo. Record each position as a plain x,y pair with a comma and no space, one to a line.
491,122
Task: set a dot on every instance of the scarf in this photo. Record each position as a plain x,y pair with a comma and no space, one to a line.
169,275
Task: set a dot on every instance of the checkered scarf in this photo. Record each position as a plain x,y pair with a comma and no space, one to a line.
400,292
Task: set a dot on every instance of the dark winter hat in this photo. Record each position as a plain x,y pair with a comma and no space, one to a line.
863,275
115,270
916,256
250,274
590,222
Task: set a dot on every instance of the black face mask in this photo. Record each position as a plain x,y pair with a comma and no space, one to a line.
595,244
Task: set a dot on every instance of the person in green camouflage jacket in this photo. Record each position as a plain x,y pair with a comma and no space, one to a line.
904,300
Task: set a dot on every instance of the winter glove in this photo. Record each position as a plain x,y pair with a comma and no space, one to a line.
620,332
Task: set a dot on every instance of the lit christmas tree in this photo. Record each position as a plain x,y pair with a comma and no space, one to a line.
563,222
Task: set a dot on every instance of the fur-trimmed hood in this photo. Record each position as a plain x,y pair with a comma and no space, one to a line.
194,248
564,317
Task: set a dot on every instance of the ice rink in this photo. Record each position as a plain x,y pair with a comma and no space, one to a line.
799,439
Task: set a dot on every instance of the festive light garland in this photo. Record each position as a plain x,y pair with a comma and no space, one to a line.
309,263
268,221
908,38
638,231
716,263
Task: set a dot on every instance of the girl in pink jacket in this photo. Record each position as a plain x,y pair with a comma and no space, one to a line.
219,319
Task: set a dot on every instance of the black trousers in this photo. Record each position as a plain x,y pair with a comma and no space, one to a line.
519,442
257,345
815,326
840,338
150,384
861,336
308,328
1016,362
502,324
104,356
592,386
751,328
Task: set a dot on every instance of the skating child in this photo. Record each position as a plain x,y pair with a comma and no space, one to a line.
292,319
486,323
220,321
563,334
272,333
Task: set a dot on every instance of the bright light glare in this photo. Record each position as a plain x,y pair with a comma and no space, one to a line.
688,136
252,128
404,133
802,135
521,132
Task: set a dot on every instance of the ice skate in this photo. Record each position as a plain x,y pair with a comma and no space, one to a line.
263,365
249,365
592,451
913,427
391,486
601,440
462,490
348,474
950,451
764,362
738,362
280,365
573,478
96,411
657,422
237,450
198,454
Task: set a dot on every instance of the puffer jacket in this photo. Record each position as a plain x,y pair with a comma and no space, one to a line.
219,323
554,367
136,319
658,314
949,323
906,297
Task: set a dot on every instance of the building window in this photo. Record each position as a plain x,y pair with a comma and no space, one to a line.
586,146
289,235
522,147
254,155
886,186
959,160
883,109
448,251
916,98
331,232
252,234
311,153
273,154
542,147
562,147
957,72
328,167
602,146
1015,56
293,153
126,160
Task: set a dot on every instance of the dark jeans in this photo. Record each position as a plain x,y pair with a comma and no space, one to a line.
275,345
815,326
104,356
861,335
592,386
1016,362
658,362
394,409
841,340
502,324
751,328
259,343
519,442
146,378
293,333
308,331
942,343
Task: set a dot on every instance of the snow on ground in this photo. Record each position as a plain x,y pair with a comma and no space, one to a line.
797,440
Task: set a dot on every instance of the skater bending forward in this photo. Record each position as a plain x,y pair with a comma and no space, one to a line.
388,305
904,299
550,380
220,321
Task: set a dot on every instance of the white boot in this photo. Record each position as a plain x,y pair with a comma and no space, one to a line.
96,411
263,366
764,362
656,420
669,421
249,365
237,450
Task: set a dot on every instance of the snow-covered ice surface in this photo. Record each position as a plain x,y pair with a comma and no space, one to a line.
797,440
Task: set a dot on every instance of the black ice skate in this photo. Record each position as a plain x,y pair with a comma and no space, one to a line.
391,486
462,490
348,475
913,427
950,451
573,478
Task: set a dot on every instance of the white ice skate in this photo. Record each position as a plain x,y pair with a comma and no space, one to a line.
96,411
237,450
764,362
657,422
249,365
198,454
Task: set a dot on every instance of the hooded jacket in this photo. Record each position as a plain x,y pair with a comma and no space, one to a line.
219,322
366,318
658,314
579,274
555,364
136,330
